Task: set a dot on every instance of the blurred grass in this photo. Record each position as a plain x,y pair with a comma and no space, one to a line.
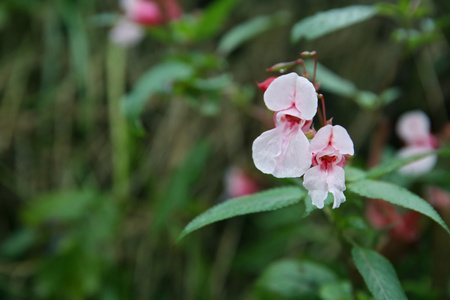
89,210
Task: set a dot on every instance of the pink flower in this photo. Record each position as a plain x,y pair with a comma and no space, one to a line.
414,129
328,148
143,12
383,215
138,13
238,183
284,150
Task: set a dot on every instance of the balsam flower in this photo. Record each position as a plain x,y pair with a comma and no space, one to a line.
328,148
284,150
414,129
138,14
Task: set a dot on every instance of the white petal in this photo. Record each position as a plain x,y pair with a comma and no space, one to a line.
413,127
265,149
336,184
291,89
315,181
281,92
282,153
306,98
341,140
126,33
421,166
322,139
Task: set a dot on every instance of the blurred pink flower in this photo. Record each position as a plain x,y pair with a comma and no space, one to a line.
284,150
128,31
238,183
328,148
383,215
414,129
142,12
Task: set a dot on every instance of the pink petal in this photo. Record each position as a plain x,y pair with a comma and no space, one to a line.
421,166
341,140
291,89
413,127
322,139
282,153
145,13
265,84
126,33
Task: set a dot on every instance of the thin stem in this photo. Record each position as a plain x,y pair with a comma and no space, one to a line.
314,53
116,63
324,114
302,62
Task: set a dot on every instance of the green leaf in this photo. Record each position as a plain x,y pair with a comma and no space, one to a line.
332,82
213,18
353,174
264,201
325,22
397,163
158,79
378,273
341,290
396,195
59,206
243,32
292,279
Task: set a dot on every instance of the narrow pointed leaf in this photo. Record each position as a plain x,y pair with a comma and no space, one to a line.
331,20
264,201
396,195
378,273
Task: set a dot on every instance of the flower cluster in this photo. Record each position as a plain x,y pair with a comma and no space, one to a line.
286,151
138,14
414,129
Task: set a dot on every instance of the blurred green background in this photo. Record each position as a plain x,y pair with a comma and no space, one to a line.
103,161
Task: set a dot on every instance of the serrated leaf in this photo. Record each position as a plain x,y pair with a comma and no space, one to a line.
326,22
245,31
397,163
156,80
292,279
396,195
264,201
378,273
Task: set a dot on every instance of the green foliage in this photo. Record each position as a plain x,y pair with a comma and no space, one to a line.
341,290
329,21
396,195
213,17
179,188
293,279
245,31
263,201
378,273
158,79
